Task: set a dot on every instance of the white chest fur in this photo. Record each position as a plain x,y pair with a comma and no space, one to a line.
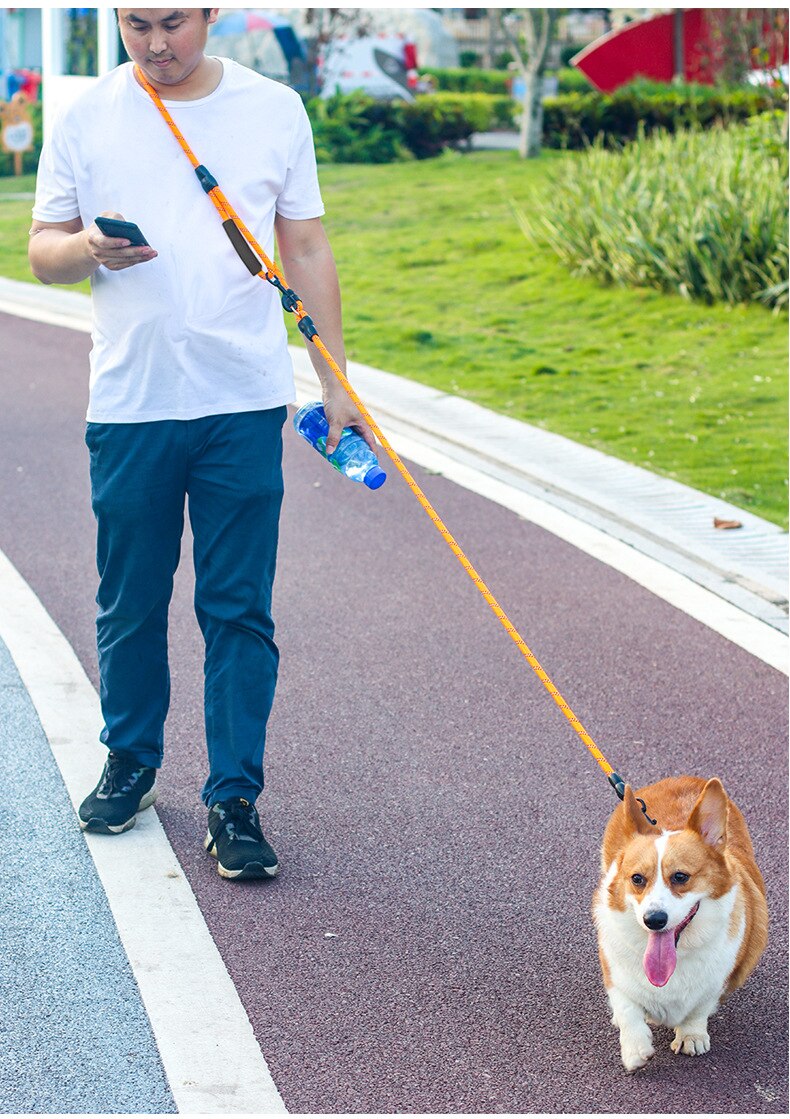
706,955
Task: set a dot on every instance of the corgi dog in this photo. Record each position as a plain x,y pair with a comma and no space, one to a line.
680,912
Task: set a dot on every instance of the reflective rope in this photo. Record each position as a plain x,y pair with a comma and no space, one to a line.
259,264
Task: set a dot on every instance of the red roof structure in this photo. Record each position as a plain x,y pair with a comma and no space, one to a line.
648,48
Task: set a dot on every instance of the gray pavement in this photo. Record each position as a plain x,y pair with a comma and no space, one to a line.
494,141
64,976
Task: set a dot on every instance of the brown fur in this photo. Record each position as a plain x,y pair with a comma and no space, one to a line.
694,808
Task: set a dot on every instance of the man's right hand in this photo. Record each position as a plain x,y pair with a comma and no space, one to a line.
64,252
115,253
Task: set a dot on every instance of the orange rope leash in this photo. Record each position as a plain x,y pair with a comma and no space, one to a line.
269,271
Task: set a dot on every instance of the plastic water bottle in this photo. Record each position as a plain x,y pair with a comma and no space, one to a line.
352,456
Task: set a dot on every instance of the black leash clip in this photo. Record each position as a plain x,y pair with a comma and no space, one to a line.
290,301
288,297
618,784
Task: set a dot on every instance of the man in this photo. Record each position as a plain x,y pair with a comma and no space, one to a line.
190,376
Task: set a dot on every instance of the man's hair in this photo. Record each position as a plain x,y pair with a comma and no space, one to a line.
206,13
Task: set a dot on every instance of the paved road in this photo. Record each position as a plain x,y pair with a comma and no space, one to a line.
430,805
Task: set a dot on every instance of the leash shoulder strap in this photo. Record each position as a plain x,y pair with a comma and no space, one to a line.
259,264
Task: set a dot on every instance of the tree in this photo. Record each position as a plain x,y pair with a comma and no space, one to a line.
324,25
530,31
744,38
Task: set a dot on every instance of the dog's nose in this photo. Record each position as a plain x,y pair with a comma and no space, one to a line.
656,920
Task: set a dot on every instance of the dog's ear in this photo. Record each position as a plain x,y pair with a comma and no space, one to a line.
635,819
709,815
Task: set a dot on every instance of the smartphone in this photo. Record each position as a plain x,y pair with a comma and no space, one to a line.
112,227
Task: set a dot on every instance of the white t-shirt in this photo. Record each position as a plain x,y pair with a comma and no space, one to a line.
191,333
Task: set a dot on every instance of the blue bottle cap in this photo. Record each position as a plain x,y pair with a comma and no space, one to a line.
374,478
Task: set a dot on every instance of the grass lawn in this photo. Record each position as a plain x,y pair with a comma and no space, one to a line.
14,223
440,285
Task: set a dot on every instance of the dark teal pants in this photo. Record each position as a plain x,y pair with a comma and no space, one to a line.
228,470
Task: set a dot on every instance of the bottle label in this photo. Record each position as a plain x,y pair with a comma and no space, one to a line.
321,446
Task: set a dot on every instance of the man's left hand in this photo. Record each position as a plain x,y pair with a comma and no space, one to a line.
342,412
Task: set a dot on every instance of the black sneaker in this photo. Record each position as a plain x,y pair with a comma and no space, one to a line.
125,788
236,841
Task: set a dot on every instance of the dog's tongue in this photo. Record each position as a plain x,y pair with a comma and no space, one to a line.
660,957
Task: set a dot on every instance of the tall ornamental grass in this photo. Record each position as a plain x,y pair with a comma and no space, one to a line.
699,213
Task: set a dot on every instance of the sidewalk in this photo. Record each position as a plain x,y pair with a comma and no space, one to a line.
665,520
494,141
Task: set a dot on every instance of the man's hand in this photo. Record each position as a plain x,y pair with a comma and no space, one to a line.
342,412
115,253
64,252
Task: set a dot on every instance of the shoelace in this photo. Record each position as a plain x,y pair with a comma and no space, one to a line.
237,818
120,776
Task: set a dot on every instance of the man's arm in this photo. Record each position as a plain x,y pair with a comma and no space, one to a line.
64,252
309,267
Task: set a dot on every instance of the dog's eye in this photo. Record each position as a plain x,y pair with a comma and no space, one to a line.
679,878
638,879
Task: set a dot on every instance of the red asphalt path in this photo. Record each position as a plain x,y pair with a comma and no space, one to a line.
431,807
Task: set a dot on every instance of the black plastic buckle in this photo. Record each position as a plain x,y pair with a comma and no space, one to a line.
290,300
618,784
206,179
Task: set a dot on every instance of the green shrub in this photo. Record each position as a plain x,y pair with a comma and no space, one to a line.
29,159
700,213
767,132
475,80
499,82
504,112
356,128
574,120
483,111
435,121
469,80
570,80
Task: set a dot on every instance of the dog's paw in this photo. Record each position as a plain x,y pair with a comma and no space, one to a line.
636,1052
692,1043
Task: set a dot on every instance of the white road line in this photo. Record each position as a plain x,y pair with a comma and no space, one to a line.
758,638
184,984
